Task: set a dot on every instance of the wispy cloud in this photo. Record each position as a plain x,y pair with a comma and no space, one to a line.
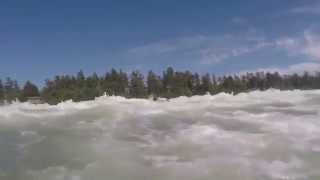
295,68
216,55
206,49
308,9
239,20
307,45
312,45
169,46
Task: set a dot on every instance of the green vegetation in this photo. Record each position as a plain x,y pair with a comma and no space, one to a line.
171,84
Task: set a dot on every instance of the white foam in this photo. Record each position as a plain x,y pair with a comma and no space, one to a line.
257,135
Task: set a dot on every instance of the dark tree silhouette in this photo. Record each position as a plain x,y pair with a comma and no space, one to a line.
137,86
1,93
171,84
30,90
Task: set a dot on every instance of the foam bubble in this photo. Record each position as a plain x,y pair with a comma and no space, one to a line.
255,136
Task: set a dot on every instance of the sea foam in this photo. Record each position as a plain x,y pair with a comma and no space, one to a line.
251,136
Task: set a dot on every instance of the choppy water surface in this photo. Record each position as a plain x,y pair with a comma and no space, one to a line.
255,136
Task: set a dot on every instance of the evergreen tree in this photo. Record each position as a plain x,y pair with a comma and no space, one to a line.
111,84
239,84
137,86
180,85
228,84
80,76
196,84
171,84
1,93
214,89
189,83
12,90
168,82
123,86
154,85
29,90
49,93
206,84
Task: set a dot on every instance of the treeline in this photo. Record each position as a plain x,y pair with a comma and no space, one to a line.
168,85
10,91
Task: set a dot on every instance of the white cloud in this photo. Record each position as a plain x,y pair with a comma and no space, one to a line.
210,50
307,45
155,48
295,68
169,46
286,42
309,9
207,49
312,45
216,55
239,20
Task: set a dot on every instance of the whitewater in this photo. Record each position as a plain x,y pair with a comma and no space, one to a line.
270,135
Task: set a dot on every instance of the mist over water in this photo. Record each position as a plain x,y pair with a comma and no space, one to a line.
254,136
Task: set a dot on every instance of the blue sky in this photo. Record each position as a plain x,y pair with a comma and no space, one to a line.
39,39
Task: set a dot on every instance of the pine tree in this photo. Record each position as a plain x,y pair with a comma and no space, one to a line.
80,76
171,84
154,85
123,82
1,93
30,90
228,84
196,84
214,89
112,84
137,86
168,82
12,90
206,84
180,85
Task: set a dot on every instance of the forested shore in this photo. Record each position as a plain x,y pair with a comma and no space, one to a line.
169,84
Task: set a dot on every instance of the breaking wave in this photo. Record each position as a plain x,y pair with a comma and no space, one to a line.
250,136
